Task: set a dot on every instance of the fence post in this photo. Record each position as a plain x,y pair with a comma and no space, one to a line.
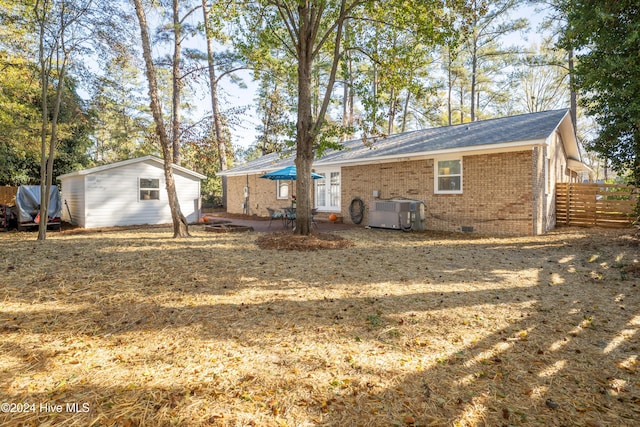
568,202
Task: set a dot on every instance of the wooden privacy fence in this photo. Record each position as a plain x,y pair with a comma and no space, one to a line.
604,205
8,195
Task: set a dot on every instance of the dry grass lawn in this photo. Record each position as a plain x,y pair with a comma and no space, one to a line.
404,329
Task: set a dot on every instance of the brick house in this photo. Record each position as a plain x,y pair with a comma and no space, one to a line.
494,176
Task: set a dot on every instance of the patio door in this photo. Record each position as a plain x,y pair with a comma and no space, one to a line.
328,190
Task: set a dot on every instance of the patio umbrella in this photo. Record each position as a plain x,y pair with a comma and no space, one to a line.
286,173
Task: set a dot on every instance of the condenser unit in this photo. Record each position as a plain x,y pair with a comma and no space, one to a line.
397,214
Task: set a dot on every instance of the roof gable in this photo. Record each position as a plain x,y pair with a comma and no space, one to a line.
115,165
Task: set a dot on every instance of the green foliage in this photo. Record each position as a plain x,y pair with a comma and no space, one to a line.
19,92
202,156
20,116
274,104
120,116
606,35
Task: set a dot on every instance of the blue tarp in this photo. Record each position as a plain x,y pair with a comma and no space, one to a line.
28,203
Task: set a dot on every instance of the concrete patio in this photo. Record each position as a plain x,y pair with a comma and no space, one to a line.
261,224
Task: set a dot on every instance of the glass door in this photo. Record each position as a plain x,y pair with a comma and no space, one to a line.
328,190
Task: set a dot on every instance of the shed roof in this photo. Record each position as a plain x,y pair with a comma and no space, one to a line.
102,168
500,133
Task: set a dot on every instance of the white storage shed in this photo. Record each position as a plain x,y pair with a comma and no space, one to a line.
131,192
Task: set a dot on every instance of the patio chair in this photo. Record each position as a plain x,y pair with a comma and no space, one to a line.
273,214
289,217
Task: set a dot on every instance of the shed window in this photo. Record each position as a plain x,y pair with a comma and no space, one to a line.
149,189
282,189
448,176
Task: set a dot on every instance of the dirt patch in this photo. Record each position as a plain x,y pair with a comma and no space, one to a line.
133,327
227,228
313,242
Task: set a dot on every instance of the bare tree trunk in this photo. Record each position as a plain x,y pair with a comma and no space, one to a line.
374,119
405,112
449,90
44,81
392,111
303,26
461,103
177,83
474,70
217,120
347,96
47,151
307,128
180,226
347,102
572,89
268,118
304,126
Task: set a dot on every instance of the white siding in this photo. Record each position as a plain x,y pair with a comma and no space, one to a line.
73,200
188,189
111,197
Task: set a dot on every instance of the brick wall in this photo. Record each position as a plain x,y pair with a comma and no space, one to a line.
554,159
410,179
503,193
497,192
262,195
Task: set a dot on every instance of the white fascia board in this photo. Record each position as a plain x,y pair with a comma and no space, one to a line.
108,166
187,171
102,168
569,138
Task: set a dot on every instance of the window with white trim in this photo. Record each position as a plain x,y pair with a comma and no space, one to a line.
282,191
149,188
448,176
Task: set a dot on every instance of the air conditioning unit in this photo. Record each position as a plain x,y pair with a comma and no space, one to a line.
397,214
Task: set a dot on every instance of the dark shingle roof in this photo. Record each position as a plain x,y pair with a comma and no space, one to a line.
266,163
520,128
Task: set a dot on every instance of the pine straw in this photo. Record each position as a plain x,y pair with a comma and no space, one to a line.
292,242
399,329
